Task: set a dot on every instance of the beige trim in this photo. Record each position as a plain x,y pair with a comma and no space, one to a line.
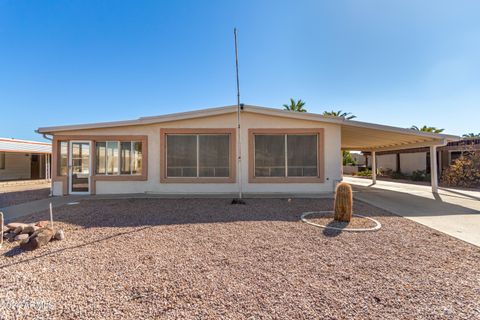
94,177
232,150
320,156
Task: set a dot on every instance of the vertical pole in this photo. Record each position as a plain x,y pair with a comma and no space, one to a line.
239,148
374,168
1,228
433,168
51,215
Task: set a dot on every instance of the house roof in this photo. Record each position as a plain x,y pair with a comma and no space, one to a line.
356,135
16,145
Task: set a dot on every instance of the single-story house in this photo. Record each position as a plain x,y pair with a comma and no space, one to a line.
418,159
24,160
198,152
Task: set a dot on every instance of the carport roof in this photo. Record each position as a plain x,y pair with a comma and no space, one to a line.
16,145
356,135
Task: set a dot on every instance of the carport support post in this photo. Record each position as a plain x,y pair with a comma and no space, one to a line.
433,168
374,168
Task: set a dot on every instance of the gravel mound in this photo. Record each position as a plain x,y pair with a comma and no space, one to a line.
207,259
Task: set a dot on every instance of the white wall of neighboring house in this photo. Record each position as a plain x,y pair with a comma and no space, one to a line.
410,162
17,166
332,149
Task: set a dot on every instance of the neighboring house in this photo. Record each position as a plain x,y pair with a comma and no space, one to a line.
24,160
410,160
282,152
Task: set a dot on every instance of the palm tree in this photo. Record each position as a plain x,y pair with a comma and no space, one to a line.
427,129
340,113
295,106
471,135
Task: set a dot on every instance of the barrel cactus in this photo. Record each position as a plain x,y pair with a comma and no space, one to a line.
343,202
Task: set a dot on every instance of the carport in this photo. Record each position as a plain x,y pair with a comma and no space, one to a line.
368,137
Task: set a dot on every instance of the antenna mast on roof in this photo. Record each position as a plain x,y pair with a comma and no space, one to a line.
239,149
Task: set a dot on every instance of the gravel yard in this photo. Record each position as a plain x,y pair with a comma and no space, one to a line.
13,195
204,258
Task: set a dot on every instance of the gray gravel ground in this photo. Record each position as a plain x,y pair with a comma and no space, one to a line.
204,258
13,195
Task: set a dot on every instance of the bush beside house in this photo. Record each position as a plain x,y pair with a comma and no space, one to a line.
463,172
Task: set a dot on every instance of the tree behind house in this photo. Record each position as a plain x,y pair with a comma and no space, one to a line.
427,129
340,113
296,106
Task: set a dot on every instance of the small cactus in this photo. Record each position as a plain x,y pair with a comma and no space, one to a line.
343,202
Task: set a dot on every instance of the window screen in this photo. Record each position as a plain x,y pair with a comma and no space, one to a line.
181,155
269,155
214,155
302,155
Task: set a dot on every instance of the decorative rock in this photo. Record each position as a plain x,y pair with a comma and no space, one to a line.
30,229
42,224
13,225
38,239
22,236
59,235
18,230
10,236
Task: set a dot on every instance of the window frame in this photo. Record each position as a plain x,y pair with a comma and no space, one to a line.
319,178
119,160
164,132
119,176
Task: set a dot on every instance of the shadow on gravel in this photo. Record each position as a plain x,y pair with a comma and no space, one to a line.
156,212
334,232
12,198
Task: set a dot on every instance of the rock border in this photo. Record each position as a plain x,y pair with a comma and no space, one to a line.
377,226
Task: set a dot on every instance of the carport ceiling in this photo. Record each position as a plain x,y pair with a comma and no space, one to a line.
367,137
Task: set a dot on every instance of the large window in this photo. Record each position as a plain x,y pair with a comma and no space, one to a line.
197,155
284,155
118,157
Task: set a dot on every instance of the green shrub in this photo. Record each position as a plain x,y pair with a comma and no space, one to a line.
365,173
420,175
398,175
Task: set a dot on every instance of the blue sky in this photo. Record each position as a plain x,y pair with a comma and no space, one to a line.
391,62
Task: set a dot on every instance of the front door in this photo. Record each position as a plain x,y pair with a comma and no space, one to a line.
35,166
79,167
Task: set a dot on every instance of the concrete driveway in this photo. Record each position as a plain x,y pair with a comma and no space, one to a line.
451,211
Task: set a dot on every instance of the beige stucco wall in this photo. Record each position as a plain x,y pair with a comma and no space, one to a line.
249,120
410,162
17,166
387,161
